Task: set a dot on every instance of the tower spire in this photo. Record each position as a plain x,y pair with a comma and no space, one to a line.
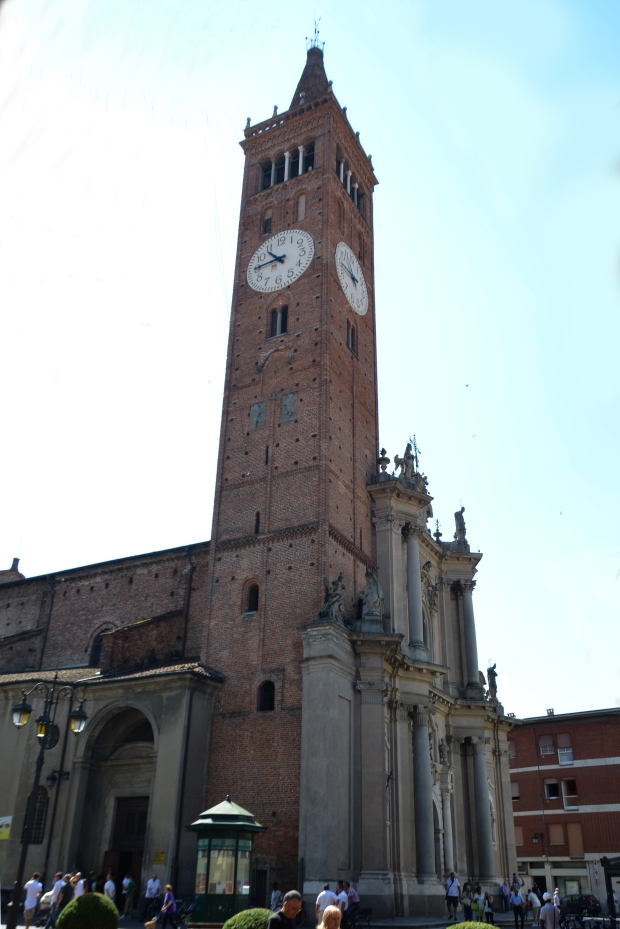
313,82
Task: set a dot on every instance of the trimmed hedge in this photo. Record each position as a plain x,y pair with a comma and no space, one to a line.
248,919
465,925
90,911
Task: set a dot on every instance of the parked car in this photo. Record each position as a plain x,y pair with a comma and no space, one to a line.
578,904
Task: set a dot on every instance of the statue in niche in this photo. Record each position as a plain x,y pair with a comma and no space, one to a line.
443,752
372,595
459,535
482,681
406,463
432,596
492,676
333,608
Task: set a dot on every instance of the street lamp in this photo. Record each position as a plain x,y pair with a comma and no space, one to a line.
47,734
536,837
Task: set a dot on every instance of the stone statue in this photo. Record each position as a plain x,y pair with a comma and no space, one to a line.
372,595
443,752
333,608
482,679
492,676
459,535
406,463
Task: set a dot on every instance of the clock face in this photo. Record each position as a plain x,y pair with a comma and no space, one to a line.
280,260
351,278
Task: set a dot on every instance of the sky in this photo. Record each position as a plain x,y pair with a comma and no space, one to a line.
494,134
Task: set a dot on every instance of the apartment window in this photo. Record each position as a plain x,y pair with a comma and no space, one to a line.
518,835
267,696
40,817
279,322
512,749
351,337
514,787
556,835
575,840
552,790
565,751
267,218
301,207
545,743
252,599
569,794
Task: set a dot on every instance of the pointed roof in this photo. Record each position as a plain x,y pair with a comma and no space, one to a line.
313,82
227,815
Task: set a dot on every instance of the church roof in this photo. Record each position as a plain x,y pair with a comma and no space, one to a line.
313,82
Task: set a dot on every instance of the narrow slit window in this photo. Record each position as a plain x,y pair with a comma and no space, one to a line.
267,220
351,337
267,697
252,603
301,207
257,523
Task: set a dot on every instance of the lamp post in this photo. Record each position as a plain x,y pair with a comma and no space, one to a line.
47,734
541,836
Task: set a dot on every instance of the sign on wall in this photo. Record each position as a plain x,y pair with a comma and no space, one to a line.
5,827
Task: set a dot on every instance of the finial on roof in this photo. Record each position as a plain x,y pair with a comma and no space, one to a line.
275,111
249,123
228,800
313,41
15,565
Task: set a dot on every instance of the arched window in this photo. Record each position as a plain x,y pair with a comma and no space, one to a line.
252,599
40,817
278,322
308,157
267,696
95,654
280,162
265,175
301,207
266,225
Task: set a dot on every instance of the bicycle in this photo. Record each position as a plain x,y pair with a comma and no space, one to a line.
361,919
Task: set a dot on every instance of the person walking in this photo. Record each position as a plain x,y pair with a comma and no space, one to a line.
453,892
65,896
354,901
467,899
326,898
130,892
151,893
556,897
343,902
56,885
33,889
505,896
549,914
286,915
109,888
478,904
488,908
276,897
518,907
169,908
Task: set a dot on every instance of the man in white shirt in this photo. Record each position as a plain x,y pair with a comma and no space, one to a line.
326,898
78,882
56,885
109,888
549,914
152,890
534,902
453,892
33,889
343,901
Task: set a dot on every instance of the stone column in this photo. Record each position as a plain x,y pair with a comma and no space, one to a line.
355,187
273,173
414,591
423,796
341,172
301,159
349,181
287,165
448,842
483,809
469,629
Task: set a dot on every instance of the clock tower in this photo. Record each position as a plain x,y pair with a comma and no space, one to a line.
298,442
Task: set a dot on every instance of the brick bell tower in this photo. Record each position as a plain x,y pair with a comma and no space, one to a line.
297,447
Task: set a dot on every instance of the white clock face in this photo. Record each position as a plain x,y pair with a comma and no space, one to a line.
280,260
351,278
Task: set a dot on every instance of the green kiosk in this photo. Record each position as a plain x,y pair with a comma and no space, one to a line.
225,835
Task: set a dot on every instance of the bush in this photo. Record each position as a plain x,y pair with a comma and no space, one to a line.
465,925
248,919
90,911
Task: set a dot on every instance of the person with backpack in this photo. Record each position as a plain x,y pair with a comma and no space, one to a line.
453,893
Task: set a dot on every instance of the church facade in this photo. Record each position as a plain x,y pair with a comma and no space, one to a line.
317,659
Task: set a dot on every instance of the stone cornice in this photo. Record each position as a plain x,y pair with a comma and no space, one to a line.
250,541
349,546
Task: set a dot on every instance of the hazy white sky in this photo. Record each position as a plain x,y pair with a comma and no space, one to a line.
494,134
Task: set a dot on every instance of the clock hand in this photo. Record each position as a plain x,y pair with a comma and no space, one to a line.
350,273
279,258
265,263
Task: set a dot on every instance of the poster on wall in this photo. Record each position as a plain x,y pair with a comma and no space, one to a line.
5,827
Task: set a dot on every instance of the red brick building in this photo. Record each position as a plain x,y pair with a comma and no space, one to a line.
317,659
565,785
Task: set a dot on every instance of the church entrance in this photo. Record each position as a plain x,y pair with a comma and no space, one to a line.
116,811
